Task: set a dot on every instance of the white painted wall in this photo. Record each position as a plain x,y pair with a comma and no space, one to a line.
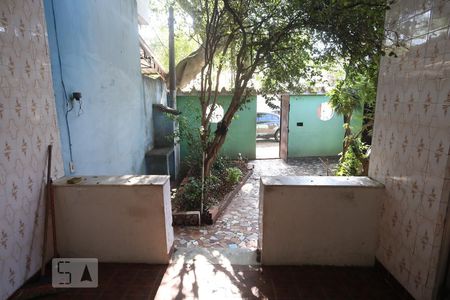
319,220
28,124
411,145
115,219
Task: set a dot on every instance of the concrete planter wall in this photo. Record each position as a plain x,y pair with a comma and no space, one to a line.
314,220
124,219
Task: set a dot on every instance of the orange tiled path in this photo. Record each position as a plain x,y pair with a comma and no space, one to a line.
238,226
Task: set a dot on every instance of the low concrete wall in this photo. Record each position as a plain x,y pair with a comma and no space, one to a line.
115,219
319,220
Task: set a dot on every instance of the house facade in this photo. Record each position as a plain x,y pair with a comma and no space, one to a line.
49,51
53,49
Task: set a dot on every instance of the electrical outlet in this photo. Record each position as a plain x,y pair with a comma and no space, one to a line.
72,167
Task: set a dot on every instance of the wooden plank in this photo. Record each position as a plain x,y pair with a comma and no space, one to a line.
284,126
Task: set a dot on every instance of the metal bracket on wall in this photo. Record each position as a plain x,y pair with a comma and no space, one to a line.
167,109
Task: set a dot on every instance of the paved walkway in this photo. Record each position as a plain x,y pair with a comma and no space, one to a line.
267,148
238,226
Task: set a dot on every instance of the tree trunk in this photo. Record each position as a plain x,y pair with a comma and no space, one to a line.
221,132
347,133
213,151
367,124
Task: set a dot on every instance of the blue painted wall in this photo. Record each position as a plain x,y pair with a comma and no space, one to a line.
99,50
154,92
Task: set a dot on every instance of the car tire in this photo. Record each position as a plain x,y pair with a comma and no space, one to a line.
277,135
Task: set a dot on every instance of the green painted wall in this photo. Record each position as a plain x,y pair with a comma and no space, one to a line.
315,137
241,137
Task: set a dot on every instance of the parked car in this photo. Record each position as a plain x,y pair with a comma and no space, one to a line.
268,125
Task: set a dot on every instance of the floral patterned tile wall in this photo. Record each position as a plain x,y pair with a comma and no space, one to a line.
411,143
27,126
